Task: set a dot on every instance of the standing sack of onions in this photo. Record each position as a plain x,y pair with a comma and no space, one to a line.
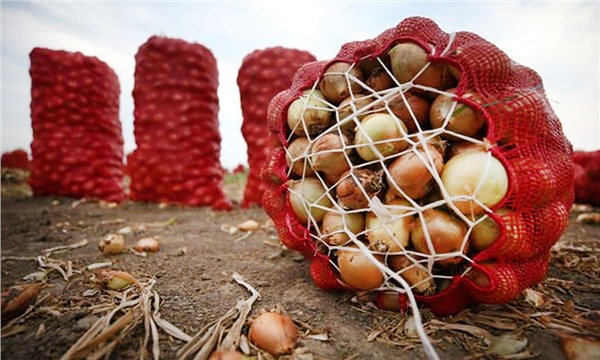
418,164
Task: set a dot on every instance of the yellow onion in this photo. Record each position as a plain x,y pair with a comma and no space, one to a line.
409,173
113,279
274,333
112,244
415,274
334,83
358,271
345,110
328,154
488,231
477,174
308,194
446,232
390,301
308,114
350,194
407,59
464,119
227,355
464,146
335,226
399,225
379,79
383,132
148,244
295,157
419,106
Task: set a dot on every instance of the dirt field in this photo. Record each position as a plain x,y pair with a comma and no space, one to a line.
193,279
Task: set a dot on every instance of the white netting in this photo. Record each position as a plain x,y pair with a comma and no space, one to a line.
394,219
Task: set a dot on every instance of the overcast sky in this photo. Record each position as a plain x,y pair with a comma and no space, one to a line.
559,40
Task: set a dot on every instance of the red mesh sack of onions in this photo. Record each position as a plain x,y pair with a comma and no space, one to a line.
421,167
16,159
176,126
77,147
262,75
587,177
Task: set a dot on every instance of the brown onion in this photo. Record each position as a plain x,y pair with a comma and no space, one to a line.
382,132
348,190
379,79
464,146
17,299
335,227
420,110
113,279
328,154
447,234
148,244
378,231
227,355
464,119
334,83
310,194
415,274
308,114
358,271
390,301
407,59
477,174
295,157
274,333
410,173
112,244
345,110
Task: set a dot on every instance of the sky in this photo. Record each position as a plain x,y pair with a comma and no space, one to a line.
559,40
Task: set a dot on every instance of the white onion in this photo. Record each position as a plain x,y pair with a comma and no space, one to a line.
308,193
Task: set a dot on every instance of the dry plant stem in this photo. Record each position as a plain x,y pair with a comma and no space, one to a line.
63,248
232,340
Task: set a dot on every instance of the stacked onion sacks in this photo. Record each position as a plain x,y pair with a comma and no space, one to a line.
401,167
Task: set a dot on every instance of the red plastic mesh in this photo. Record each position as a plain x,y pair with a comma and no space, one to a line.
77,147
527,138
263,74
176,126
16,159
587,177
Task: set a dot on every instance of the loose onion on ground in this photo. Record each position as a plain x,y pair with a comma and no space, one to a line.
112,244
274,333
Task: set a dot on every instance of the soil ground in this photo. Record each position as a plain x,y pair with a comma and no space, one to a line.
193,272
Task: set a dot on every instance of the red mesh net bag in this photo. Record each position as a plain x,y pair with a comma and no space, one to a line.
421,167
587,177
77,147
263,74
176,126
16,159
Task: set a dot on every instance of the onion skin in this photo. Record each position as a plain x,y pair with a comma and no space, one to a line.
295,157
357,271
400,225
274,333
315,120
311,191
447,234
349,194
335,86
333,224
16,299
407,59
327,154
413,274
380,127
463,173
410,174
464,120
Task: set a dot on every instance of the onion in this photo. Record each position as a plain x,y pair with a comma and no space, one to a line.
464,119
358,271
327,154
345,110
407,59
334,83
409,173
420,109
295,157
149,244
476,174
113,279
308,113
274,333
378,230
379,79
488,231
227,355
447,234
498,281
335,227
308,193
384,133
356,195
415,274
464,146
392,301
17,299
112,244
